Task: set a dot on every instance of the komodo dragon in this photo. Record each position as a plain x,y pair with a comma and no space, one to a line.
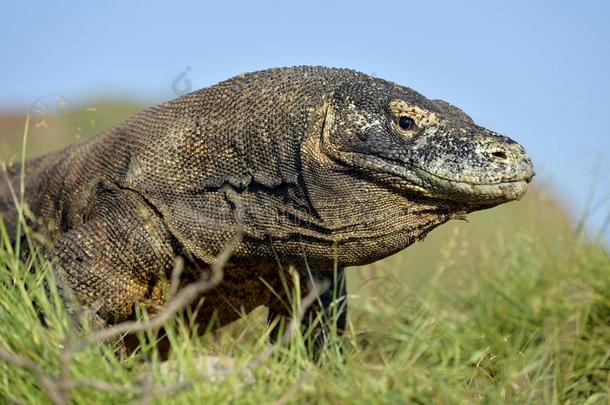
316,167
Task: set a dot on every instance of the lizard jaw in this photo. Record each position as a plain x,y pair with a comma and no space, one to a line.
473,192
414,179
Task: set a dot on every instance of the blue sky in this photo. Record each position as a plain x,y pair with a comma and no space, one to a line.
538,71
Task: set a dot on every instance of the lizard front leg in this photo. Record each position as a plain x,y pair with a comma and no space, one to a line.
117,258
327,314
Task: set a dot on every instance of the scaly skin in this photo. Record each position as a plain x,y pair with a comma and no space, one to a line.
313,162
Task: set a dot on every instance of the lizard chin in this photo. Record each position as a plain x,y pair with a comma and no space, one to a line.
475,193
469,192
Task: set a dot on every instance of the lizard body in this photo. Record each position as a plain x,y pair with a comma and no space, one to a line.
317,165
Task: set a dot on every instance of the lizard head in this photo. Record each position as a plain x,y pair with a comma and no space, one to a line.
423,147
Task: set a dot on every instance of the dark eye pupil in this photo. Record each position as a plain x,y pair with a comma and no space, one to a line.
405,122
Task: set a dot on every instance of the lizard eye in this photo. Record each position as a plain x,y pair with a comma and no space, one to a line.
405,122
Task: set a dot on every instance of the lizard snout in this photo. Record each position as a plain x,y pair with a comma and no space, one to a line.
512,157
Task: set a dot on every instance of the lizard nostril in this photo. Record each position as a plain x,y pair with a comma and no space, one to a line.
499,154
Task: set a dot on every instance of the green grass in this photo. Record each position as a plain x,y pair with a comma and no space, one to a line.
519,326
512,307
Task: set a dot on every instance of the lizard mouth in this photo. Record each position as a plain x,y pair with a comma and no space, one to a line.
476,191
469,190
